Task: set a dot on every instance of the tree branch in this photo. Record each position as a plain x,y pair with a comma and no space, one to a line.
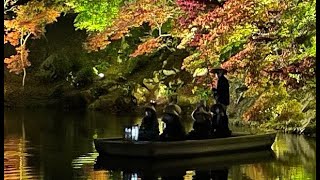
6,5
26,38
165,35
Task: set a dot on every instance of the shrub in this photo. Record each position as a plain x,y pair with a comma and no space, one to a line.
84,76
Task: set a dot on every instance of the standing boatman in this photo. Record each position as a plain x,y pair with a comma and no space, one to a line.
221,93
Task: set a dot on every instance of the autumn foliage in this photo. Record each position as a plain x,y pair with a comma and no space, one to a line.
263,44
29,22
17,62
147,47
191,9
131,15
266,45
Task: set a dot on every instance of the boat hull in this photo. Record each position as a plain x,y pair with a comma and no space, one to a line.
157,149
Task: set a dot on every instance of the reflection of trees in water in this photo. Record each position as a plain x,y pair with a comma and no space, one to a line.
221,174
128,175
110,175
295,160
57,136
216,174
275,171
101,175
18,148
299,150
108,125
15,158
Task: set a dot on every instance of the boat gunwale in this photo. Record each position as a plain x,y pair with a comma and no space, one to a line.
200,141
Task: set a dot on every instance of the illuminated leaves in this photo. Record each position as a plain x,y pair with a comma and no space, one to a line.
262,43
29,20
295,75
219,21
32,18
275,105
190,9
189,62
147,47
97,42
94,15
262,108
16,63
12,38
131,15
237,61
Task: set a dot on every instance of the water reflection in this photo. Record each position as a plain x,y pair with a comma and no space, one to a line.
214,166
15,159
15,156
48,144
295,159
221,174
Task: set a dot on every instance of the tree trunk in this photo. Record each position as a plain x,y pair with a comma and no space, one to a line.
23,43
24,76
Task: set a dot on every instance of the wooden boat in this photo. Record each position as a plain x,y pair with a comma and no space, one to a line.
171,166
159,149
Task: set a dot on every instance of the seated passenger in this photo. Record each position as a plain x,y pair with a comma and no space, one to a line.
202,123
173,105
149,128
220,127
201,112
174,130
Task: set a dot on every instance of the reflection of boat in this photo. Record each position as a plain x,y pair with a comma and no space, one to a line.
172,166
156,149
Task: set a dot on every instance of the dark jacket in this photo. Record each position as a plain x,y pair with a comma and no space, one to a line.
201,130
201,125
174,129
220,127
149,128
222,91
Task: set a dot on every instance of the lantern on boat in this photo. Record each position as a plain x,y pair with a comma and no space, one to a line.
130,176
135,132
131,133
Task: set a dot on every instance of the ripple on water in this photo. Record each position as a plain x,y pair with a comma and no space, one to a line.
15,159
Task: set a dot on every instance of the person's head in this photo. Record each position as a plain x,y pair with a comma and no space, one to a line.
153,103
170,116
201,114
150,111
171,111
219,74
217,110
202,104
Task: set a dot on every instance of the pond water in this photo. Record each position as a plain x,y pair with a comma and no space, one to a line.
49,144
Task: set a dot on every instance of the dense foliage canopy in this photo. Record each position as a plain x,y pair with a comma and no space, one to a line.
94,15
267,46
